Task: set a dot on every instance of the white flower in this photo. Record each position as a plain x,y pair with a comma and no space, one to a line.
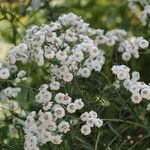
71,108
59,97
64,127
145,93
50,37
56,139
84,116
126,56
78,56
90,122
70,36
45,117
43,97
110,41
143,43
100,39
127,84
136,98
62,98
98,122
51,126
121,71
49,54
66,99
124,68
47,106
134,88
94,51
68,77
135,75
63,70
61,55
85,72
85,129
123,75
55,85
59,111
4,73
92,114
43,87
21,73
79,103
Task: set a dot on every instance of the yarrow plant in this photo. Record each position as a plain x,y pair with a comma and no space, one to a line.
60,54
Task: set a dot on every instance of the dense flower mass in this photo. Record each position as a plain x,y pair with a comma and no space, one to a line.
91,121
145,11
49,124
131,82
131,47
66,49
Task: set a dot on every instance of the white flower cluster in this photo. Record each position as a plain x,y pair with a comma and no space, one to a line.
139,90
4,72
121,71
131,47
9,92
114,36
145,13
91,120
21,76
70,47
69,41
18,53
50,123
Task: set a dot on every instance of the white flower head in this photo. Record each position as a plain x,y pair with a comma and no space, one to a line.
56,139
59,111
55,85
4,73
85,129
71,108
98,122
79,103
136,98
64,127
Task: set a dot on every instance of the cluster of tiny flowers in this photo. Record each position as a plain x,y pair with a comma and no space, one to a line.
49,124
91,119
21,76
139,90
9,92
121,71
4,72
131,47
145,13
68,41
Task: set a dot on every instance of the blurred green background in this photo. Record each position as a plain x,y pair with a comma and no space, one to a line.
17,15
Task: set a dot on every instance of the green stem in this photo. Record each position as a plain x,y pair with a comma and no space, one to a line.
126,121
97,140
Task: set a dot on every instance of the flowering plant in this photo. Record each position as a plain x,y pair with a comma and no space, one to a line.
60,71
